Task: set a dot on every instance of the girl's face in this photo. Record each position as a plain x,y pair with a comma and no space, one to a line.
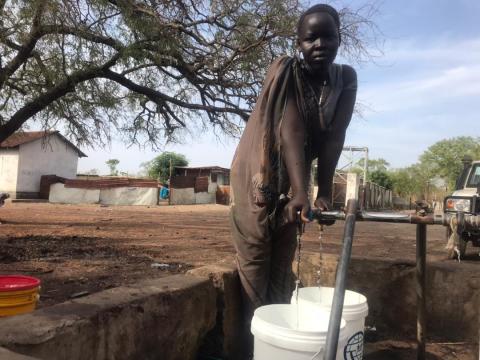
318,40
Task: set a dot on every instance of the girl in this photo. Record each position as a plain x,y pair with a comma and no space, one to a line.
301,114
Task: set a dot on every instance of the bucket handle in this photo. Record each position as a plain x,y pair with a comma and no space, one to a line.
320,355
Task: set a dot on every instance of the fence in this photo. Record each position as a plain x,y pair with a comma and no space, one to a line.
375,197
349,185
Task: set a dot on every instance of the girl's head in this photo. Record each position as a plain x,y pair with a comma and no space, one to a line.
318,35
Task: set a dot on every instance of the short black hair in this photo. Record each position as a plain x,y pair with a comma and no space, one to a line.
320,8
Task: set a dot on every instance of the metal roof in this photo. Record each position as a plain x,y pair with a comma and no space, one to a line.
20,138
215,168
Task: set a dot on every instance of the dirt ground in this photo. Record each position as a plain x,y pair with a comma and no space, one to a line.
80,249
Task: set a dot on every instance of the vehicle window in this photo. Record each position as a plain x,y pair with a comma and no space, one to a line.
474,179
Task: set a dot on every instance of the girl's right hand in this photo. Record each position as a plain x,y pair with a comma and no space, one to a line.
298,203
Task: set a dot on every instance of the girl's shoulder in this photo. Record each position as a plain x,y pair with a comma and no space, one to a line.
349,73
348,76
281,60
278,66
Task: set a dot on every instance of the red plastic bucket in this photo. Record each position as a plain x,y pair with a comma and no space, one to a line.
18,294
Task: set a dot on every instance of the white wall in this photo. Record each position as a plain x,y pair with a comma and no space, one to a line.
40,157
129,196
182,196
8,170
113,196
60,194
212,188
205,198
189,196
353,184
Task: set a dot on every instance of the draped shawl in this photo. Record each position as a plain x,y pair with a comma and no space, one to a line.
258,173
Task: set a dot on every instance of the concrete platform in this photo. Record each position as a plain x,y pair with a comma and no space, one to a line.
166,318
198,315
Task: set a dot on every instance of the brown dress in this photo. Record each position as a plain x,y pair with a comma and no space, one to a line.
265,245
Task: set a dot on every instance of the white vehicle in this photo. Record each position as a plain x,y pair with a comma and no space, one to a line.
464,201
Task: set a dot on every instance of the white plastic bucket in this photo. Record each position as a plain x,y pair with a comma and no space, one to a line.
278,335
355,310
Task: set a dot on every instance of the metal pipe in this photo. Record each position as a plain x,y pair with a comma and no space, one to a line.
390,217
340,283
420,288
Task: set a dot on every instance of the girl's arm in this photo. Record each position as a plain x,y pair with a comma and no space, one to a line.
331,148
292,140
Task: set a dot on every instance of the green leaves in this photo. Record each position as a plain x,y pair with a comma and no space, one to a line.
171,65
160,167
435,173
443,159
382,178
112,165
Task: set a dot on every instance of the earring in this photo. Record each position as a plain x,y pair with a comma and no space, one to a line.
298,54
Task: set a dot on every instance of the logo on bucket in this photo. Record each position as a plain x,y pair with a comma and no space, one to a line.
354,348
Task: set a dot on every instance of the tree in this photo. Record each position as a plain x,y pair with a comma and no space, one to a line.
377,165
159,167
407,182
382,178
112,165
146,68
373,165
444,158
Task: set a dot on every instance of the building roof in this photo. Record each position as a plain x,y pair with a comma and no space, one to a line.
20,138
213,168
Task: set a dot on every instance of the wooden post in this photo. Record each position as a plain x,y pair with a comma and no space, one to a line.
421,248
170,184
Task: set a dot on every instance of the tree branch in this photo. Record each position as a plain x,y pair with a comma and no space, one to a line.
64,87
159,97
27,47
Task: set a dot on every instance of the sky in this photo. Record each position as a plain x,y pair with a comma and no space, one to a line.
424,88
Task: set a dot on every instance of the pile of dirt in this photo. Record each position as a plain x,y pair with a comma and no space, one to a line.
55,248
71,266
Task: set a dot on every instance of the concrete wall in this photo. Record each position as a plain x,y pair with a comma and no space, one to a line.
165,318
10,355
112,196
60,194
182,317
40,157
228,338
453,295
8,170
353,183
188,196
205,198
182,196
129,196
